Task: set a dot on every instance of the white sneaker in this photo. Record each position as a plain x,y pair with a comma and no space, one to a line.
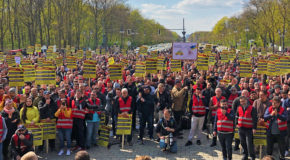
60,152
68,152
286,153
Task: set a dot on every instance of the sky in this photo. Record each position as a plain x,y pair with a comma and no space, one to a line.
199,15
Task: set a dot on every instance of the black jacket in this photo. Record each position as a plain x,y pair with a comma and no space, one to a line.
12,127
207,93
146,107
47,110
27,142
162,124
163,99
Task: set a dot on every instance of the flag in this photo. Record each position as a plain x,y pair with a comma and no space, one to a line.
202,62
245,69
140,69
115,72
15,76
89,69
45,75
151,65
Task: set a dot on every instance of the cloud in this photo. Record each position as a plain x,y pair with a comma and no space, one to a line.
200,15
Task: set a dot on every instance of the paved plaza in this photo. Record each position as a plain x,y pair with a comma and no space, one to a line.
194,152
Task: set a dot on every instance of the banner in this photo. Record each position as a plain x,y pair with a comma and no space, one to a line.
37,133
151,65
49,53
104,136
242,56
29,73
140,69
37,48
49,130
273,57
271,68
247,56
211,59
161,63
245,69
224,57
285,64
40,61
48,63
260,137
185,51
231,56
26,62
88,54
71,62
262,66
202,62
59,61
277,67
44,75
143,50
89,69
30,50
124,125
80,54
102,119
10,60
115,72
124,62
15,75
175,65
111,61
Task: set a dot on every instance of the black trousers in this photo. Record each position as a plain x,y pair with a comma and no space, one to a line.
226,144
178,119
246,138
149,120
271,139
79,130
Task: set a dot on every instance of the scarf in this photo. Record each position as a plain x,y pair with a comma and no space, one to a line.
9,111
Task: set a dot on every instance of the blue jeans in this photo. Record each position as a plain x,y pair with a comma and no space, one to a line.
64,134
172,149
1,148
92,131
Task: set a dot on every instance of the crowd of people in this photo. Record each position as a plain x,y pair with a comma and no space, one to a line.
218,96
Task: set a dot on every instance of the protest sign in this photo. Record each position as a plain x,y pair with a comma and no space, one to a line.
185,51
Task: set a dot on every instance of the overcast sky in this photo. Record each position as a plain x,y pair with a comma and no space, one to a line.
200,15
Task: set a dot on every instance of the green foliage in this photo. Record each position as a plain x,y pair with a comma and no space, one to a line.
264,21
79,23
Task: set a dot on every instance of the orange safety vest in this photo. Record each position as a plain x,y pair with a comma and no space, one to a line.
231,99
223,123
216,101
245,119
91,102
197,106
78,113
282,125
125,107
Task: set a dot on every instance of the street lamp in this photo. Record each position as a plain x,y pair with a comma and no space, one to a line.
247,30
280,35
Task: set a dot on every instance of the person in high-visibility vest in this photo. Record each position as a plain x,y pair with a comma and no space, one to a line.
214,104
198,113
224,128
276,122
247,123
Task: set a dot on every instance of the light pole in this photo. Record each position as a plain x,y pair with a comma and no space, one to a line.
247,39
280,35
122,34
236,38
